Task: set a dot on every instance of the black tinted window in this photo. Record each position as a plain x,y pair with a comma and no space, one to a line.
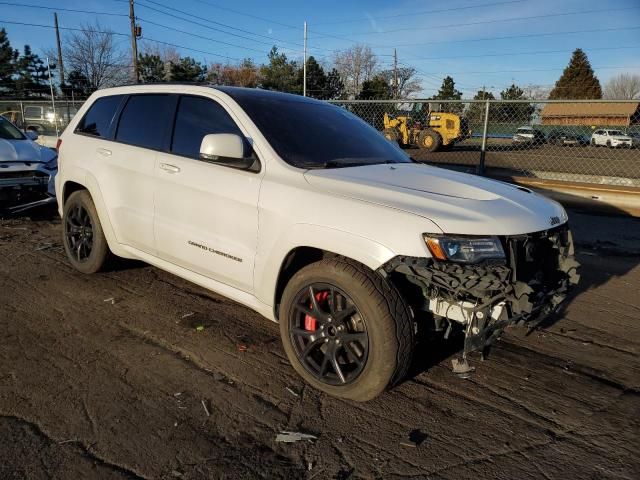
146,120
312,134
196,118
98,119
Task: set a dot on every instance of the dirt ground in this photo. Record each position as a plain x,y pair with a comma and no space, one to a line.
108,376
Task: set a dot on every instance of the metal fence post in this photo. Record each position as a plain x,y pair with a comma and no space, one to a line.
483,148
23,126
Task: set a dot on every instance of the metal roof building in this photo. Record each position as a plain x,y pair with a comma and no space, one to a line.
621,114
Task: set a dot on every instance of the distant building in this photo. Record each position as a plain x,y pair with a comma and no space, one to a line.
617,114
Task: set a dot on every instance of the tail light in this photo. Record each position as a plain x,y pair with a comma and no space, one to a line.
58,145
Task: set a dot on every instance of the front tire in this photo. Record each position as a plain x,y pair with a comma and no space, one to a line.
345,330
83,237
429,140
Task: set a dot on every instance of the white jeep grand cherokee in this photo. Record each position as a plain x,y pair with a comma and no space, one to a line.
303,212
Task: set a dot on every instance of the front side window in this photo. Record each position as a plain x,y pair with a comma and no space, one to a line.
146,120
312,134
197,117
97,120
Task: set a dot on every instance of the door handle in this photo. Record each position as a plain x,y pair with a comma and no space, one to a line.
104,152
167,167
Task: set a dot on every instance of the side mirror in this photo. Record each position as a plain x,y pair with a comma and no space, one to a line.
225,149
31,135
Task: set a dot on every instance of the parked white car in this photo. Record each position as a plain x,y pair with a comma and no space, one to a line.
27,170
303,212
611,138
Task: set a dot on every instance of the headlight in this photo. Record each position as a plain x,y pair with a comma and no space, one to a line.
464,249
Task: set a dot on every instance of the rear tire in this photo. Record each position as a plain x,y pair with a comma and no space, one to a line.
83,237
429,140
371,324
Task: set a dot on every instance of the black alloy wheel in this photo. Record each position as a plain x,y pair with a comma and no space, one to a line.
79,232
328,334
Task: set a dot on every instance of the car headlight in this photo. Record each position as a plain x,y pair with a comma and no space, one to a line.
463,249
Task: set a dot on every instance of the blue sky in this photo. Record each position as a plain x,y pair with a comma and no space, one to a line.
457,38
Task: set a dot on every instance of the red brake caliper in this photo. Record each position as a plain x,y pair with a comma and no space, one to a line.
309,321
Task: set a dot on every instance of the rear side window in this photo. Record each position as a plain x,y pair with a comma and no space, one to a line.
146,120
97,120
197,117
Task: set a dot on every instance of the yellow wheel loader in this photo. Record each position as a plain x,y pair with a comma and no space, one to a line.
440,131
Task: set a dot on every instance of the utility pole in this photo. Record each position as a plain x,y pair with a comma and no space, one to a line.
134,42
60,65
395,74
304,66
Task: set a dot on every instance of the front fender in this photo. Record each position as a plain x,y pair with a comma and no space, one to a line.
364,250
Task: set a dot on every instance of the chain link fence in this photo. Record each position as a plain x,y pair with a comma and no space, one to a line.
45,117
587,141
577,141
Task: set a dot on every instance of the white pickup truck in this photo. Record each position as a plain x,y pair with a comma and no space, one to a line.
303,212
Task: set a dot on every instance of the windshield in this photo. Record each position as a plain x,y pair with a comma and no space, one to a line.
524,130
312,134
615,132
8,131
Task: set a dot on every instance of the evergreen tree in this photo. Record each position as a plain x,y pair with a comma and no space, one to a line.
475,113
578,81
316,79
335,86
280,73
188,70
375,89
77,85
32,75
150,68
8,57
510,112
448,91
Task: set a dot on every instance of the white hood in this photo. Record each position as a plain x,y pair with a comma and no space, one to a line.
24,151
457,202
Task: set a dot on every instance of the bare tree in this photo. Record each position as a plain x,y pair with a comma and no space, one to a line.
537,92
94,53
408,83
355,65
625,86
246,74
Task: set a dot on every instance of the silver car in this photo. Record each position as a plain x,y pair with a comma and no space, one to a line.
27,170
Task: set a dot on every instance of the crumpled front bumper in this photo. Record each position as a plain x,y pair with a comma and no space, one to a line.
24,185
526,288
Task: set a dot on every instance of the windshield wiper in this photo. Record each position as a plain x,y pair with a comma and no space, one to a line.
342,163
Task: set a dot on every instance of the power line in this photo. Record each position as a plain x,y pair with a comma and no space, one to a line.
511,37
120,34
539,52
535,70
486,22
272,39
424,12
245,14
71,10
200,36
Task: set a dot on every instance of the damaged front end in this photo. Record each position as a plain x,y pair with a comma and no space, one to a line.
524,287
25,185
